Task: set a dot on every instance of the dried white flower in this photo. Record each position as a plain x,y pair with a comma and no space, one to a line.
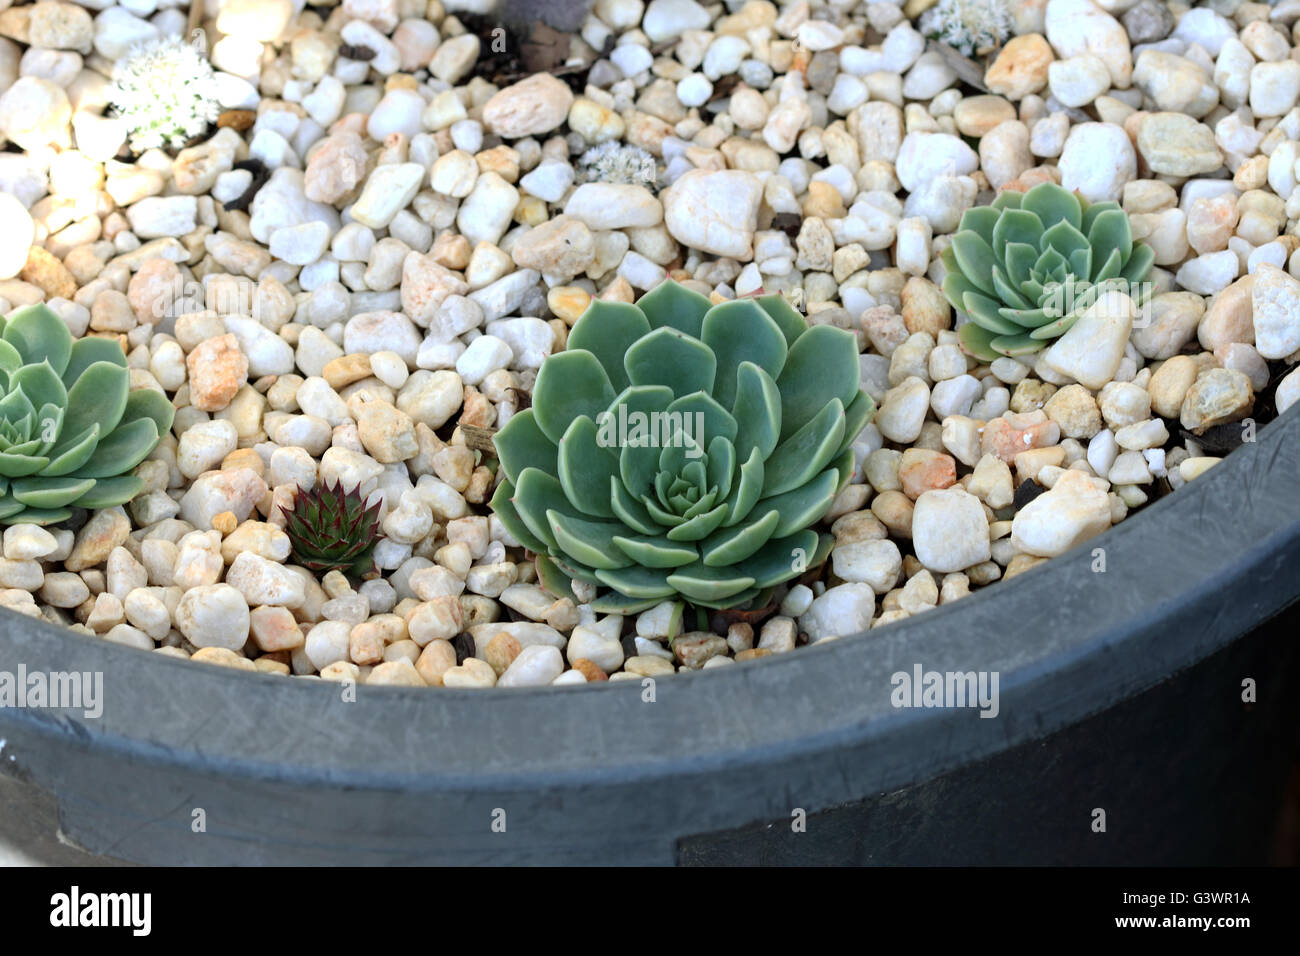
613,162
166,92
968,25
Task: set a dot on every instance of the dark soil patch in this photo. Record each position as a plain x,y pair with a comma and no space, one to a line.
508,54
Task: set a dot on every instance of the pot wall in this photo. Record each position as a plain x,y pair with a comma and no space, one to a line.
282,768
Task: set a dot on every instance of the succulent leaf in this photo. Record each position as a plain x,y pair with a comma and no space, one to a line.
673,359
573,384
97,397
86,352
1053,204
822,365
976,260
1024,268
1138,266
37,339
674,306
505,510
585,468
640,583
856,417
41,384
521,444
50,492
757,411
707,585
10,359
770,564
741,331
982,222
806,452
618,326
800,506
715,421
553,579
655,552
729,436
747,489
108,492
16,464
729,545
790,322
699,525
536,494
591,542
722,466
629,509
127,446
73,452
151,404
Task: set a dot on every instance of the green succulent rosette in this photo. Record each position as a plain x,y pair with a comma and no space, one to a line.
678,450
331,529
71,428
1026,267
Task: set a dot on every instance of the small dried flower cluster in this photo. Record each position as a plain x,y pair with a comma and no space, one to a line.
166,92
968,26
614,162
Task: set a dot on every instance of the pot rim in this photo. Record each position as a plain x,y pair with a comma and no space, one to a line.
1209,571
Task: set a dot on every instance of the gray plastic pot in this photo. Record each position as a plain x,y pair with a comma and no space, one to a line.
1119,691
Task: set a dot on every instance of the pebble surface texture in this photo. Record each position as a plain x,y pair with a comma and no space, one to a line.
356,272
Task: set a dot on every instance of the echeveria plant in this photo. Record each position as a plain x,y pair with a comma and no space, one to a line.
71,429
1027,266
678,450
